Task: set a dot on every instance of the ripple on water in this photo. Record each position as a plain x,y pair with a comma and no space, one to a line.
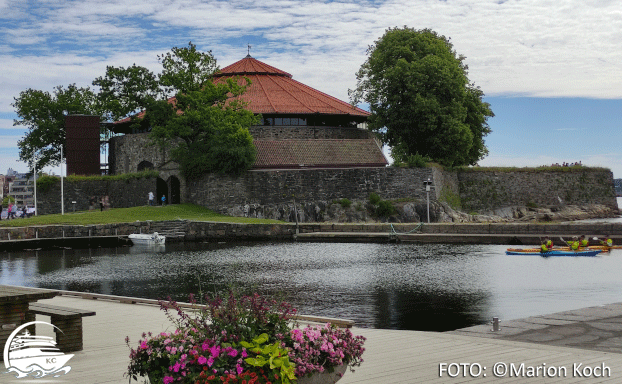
403,286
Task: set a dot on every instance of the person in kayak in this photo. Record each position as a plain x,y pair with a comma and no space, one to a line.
574,244
547,245
607,241
583,242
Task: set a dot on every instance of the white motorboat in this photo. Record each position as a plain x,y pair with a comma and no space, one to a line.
147,239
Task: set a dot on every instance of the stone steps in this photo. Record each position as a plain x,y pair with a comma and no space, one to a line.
174,231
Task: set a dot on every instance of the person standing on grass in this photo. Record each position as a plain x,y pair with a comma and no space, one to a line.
163,200
151,197
1,210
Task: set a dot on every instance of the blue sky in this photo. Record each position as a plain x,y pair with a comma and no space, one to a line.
551,70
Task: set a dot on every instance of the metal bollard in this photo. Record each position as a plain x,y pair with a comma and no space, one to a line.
495,324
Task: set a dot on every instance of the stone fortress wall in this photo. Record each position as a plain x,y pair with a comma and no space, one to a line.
490,190
272,194
121,194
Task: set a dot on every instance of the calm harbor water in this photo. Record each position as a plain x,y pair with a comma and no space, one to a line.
396,286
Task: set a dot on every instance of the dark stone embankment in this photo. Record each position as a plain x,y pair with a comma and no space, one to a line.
181,230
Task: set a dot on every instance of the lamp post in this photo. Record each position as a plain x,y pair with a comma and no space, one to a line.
62,193
427,183
34,171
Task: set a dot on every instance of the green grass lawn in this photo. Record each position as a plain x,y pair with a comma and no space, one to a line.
126,215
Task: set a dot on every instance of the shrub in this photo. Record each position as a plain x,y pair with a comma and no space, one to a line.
385,208
374,198
345,203
417,161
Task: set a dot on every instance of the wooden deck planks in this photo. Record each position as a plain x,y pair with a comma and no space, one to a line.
391,356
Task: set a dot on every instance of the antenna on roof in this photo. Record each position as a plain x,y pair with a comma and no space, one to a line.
249,51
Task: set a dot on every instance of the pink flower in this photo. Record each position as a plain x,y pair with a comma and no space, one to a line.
215,350
233,352
239,369
144,345
202,360
244,354
168,379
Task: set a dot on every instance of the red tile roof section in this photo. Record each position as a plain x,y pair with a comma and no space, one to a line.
274,91
287,154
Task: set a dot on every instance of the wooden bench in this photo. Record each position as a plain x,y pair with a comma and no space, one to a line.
68,320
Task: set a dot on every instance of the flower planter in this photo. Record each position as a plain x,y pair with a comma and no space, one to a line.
324,377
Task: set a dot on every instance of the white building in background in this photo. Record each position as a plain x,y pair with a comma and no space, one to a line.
22,190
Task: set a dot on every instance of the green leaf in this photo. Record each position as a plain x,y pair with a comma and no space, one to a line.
258,361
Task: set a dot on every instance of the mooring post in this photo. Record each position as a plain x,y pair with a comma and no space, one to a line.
495,324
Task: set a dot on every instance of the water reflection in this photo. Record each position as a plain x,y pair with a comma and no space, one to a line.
418,287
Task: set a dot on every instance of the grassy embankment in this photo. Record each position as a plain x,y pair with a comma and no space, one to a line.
127,215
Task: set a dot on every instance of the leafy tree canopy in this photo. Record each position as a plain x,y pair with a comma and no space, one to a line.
125,91
421,100
206,132
186,69
43,114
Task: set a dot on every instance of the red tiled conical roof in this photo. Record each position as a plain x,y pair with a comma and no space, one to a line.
274,91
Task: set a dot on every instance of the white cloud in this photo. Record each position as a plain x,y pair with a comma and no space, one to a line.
6,124
530,47
540,48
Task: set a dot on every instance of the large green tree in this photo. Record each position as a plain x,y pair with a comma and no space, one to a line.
421,99
206,127
43,114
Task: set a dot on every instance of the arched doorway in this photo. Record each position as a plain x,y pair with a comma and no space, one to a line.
161,189
144,165
173,184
